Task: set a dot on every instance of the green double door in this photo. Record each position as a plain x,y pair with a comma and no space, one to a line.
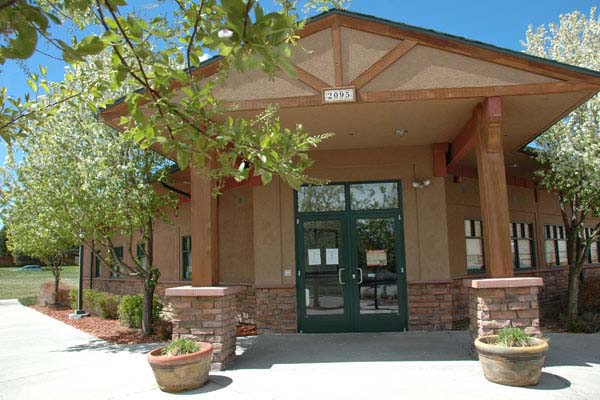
351,274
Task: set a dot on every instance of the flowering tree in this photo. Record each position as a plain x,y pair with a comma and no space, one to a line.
48,243
569,152
153,58
158,54
81,182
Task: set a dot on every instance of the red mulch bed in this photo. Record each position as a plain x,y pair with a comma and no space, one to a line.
106,329
112,331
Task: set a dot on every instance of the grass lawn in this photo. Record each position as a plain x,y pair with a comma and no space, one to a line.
15,284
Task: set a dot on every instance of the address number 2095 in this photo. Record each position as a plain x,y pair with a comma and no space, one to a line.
339,95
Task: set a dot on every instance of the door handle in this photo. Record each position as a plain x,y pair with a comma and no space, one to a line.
340,276
361,276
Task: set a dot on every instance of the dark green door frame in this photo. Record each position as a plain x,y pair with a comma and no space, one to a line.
351,319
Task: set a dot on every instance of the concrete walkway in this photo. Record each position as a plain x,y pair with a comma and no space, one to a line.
43,358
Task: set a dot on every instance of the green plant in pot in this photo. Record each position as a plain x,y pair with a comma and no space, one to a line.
512,357
182,365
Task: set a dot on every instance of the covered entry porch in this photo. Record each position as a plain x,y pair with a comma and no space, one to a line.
422,109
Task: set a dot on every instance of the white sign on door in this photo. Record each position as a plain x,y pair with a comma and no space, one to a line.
314,256
331,257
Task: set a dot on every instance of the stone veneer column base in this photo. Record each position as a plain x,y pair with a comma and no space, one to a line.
206,314
276,310
505,302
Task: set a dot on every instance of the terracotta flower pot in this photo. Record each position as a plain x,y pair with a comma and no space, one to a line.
181,373
513,366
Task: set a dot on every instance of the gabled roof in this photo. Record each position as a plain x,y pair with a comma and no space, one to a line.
453,43
455,38
424,81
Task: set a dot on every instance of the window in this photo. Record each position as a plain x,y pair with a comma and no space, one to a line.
522,245
474,242
140,254
594,247
349,196
96,263
555,244
321,198
116,269
186,257
374,196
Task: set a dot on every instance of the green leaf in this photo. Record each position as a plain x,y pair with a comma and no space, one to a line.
90,45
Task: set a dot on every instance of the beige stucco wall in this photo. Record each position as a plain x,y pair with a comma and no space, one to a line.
236,243
531,206
426,241
257,230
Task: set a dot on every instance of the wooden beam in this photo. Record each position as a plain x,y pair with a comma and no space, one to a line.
204,230
316,26
440,150
283,102
337,53
311,80
479,91
464,142
493,192
456,45
464,171
384,62
421,94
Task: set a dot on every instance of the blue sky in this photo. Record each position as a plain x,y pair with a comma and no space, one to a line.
502,23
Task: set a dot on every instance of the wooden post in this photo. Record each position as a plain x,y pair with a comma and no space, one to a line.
204,231
439,159
493,191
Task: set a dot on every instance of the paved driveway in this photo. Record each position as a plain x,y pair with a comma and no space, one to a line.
42,358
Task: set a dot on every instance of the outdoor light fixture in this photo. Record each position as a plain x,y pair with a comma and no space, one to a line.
422,183
400,132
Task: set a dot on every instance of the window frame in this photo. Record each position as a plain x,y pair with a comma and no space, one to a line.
348,198
95,256
587,231
472,221
514,238
117,267
140,254
184,259
555,239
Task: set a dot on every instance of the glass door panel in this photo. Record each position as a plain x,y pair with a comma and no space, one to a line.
323,296
350,258
323,270
376,266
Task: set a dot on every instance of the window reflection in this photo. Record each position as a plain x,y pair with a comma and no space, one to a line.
374,196
321,198
377,260
323,250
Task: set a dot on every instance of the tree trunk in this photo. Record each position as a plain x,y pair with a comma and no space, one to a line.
56,273
147,317
151,277
573,306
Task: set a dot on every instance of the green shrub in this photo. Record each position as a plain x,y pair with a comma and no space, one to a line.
513,337
179,347
108,306
131,310
97,303
73,299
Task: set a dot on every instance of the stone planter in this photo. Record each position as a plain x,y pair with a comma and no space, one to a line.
513,366
181,373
